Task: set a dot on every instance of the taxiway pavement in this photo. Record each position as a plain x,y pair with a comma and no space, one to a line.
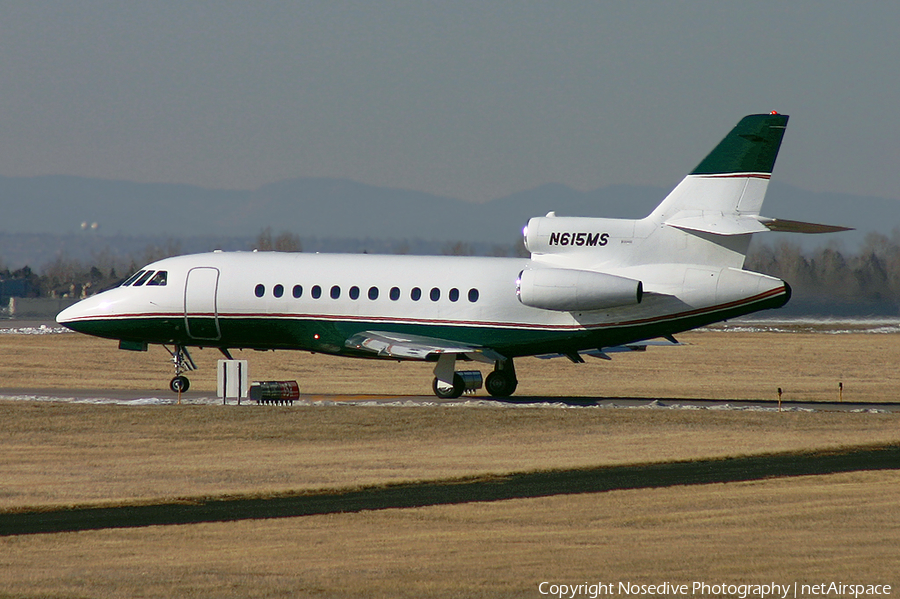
161,397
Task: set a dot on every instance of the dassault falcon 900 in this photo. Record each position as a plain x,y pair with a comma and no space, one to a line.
590,286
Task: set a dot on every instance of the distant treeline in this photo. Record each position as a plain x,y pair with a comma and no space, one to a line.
69,277
66,276
824,281
828,281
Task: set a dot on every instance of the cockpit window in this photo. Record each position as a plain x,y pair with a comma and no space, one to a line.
133,278
143,278
159,278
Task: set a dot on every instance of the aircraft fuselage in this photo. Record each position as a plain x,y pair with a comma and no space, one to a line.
316,302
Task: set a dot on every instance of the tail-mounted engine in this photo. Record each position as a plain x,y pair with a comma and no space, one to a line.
553,234
572,290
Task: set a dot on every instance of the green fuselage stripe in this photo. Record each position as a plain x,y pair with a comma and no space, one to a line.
329,334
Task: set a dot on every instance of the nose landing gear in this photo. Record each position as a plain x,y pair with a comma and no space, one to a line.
183,363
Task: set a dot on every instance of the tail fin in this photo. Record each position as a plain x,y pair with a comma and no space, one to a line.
708,219
724,194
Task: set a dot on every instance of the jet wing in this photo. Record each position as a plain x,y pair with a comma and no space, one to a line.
415,347
602,353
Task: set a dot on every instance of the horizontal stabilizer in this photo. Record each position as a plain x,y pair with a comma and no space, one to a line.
719,224
795,226
741,224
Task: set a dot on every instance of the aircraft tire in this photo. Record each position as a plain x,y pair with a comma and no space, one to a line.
452,393
179,384
500,384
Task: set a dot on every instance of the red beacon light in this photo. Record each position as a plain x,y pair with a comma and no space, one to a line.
774,112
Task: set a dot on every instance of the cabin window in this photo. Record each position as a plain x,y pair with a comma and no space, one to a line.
278,290
373,293
159,278
297,291
316,292
435,294
395,293
454,294
143,279
335,292
473,295
354,292
415,294
133,278
260,290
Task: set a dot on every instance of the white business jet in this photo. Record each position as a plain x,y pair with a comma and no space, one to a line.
590,287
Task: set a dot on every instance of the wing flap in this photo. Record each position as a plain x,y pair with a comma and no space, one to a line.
602,353
414,347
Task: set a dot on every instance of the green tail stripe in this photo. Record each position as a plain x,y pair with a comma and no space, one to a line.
751,147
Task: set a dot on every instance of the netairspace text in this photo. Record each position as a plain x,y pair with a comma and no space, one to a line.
794,590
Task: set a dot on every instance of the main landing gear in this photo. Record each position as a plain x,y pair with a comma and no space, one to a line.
183,363
450,384
502,382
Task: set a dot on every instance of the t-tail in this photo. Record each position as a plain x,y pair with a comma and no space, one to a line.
720,200
708,218
696,239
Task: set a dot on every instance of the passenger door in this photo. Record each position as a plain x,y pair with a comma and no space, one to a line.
201,317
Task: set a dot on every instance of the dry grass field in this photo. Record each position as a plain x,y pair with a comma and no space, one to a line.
714,365
839,525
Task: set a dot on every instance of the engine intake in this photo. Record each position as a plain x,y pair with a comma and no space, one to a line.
570,290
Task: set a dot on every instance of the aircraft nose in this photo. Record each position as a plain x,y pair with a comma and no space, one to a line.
80,315
69,316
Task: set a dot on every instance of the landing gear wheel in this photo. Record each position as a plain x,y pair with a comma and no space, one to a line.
179,384
182,361
500,384
445,392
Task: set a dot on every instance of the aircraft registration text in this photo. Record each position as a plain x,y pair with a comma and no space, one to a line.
579,239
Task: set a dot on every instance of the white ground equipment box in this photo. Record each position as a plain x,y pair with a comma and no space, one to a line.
233,379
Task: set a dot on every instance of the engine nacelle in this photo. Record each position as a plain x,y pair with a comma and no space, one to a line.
569,290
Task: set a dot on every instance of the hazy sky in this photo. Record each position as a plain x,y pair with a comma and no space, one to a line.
469,99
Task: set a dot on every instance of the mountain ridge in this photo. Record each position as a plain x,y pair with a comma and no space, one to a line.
342,208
